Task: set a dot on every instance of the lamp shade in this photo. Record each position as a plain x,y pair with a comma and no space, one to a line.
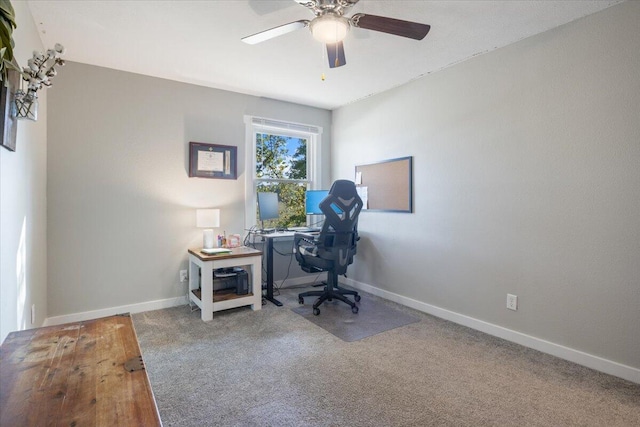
208,218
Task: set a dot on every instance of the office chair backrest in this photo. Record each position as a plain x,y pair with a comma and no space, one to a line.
340,230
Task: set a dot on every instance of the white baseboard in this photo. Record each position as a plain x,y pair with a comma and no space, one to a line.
131,308
594,362
154,305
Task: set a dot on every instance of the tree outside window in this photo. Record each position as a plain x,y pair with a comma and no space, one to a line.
281,168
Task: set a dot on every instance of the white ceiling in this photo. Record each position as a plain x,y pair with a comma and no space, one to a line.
198,42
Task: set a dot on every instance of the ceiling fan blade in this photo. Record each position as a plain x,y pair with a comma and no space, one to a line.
398,27
275,32
335,53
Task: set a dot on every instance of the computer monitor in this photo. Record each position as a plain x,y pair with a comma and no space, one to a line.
268,206
312,201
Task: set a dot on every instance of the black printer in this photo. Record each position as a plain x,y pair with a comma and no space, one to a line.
231,278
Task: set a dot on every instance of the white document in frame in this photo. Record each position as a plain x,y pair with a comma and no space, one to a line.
210,161
358,178
363,192
227,163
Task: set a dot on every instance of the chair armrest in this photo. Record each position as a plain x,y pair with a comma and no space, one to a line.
305,244
304,239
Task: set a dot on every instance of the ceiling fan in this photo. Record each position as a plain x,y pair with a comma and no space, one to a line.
330,26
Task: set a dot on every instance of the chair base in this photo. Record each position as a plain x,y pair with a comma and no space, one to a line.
342,290
330,292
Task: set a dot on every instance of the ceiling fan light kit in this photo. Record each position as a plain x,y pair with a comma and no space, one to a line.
330,26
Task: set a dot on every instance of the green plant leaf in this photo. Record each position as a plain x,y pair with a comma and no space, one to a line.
7,12
8,23
6,43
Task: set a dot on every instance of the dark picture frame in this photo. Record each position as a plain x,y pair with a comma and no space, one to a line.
8,119
213,161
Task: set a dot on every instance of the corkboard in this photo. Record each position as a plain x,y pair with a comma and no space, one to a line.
389,184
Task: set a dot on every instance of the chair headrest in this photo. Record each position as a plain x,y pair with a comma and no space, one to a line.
343,188
344,196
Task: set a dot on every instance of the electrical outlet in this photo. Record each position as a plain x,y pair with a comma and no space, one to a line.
183,276
33,314
512,302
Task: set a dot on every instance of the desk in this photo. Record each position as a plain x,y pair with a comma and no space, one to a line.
207,301
84,373
270,237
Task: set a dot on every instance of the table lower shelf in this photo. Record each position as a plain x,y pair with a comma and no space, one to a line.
224,300
219,296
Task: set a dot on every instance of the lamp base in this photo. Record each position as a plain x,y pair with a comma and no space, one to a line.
208,241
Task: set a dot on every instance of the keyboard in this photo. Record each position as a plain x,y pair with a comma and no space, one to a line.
304,229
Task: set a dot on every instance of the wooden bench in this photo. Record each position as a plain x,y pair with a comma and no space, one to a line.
75,375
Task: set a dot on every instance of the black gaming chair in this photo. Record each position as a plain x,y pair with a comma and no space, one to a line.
333,249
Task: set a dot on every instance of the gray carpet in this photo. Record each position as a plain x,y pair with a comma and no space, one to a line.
373,317
274,368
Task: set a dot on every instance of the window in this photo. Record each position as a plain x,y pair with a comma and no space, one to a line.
281,157
281,168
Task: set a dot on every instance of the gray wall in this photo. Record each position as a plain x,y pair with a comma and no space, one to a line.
527,181
121,207
23,178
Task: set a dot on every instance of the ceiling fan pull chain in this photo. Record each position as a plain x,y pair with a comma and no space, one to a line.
324,63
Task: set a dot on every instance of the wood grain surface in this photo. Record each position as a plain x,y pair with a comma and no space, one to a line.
74,375
240,252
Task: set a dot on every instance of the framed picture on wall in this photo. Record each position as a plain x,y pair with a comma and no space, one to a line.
8,119
213,161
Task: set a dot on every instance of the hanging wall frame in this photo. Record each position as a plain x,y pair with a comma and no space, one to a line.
8,119
213,161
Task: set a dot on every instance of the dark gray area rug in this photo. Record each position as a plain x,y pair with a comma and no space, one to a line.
373,317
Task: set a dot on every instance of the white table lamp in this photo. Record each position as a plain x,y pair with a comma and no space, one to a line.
208,219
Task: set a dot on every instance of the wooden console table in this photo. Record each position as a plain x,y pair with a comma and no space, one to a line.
202,293
78,374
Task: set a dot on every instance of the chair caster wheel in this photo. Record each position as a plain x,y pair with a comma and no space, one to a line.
316,311
354,309
357,298
300,300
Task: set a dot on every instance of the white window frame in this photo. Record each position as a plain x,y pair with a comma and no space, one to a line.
256,125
